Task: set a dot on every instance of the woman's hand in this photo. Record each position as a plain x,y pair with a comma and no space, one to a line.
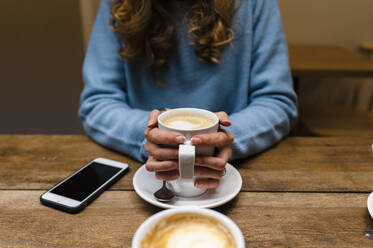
162,160
212,168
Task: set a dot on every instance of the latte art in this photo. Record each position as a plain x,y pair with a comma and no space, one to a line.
188,121
189,230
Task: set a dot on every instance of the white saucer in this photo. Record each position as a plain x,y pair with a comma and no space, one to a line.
370,204
145,184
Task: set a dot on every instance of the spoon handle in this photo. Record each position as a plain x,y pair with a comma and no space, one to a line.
368,234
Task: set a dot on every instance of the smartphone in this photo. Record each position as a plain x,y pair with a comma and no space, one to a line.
79,189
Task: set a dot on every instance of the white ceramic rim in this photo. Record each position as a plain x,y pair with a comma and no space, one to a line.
193,110
370,204
152,220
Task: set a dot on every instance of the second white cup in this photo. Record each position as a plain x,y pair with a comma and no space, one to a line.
147,230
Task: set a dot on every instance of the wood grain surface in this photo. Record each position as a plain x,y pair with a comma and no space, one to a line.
40,161
313,60
333,164
338,164
266,220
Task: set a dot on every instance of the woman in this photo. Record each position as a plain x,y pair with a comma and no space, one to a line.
220,55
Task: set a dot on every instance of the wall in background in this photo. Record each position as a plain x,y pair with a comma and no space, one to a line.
88,9
344,23
335,22
40,67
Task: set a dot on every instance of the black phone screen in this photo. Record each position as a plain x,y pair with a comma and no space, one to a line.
86,181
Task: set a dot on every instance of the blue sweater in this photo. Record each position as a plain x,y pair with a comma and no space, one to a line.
252,84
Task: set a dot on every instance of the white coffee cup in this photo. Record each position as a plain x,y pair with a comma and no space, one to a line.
148,225
184,185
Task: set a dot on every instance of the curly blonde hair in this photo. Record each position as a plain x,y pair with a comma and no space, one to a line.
146,27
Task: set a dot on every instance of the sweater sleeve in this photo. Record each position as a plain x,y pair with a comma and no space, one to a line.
271,110
104,110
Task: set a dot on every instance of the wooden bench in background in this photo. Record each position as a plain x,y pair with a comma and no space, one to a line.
332,62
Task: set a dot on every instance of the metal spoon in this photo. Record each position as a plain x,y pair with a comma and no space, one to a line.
368,234
164,194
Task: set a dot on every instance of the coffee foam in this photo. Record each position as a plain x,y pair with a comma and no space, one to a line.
197,235
189,230
188,121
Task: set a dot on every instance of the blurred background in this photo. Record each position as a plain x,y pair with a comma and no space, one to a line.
43,42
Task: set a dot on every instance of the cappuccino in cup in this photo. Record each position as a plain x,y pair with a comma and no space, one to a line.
189,230
188,227
188,121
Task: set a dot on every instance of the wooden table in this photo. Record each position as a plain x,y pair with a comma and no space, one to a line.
328,61
305,192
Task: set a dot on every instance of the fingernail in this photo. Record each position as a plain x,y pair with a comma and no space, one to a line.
152,123
180,139
196,141
226,122
196,184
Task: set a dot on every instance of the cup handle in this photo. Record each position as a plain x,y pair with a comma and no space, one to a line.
187,154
